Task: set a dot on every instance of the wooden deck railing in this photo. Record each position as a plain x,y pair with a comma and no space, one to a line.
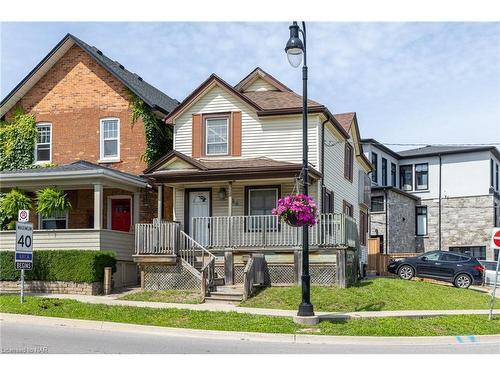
268,231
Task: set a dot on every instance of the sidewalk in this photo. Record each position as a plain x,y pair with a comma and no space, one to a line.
111,300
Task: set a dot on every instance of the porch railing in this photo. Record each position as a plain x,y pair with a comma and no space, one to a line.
259,231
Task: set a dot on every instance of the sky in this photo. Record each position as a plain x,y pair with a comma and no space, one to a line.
432,83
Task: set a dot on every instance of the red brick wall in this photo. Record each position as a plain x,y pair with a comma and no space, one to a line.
74,95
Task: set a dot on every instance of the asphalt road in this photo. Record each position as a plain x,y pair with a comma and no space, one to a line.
50,338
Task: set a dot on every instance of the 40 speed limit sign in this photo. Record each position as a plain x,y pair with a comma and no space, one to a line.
24,246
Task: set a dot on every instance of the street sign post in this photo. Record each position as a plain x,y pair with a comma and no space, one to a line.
495,244
23,257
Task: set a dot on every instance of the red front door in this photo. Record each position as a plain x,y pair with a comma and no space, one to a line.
120,214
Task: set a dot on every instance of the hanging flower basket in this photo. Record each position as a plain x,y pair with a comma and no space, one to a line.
297,210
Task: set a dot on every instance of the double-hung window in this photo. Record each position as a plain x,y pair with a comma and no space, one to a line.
217,136
110,139
260,203
384,172
56,221
406,177
377,204
43,147
375,167
421,176
421,221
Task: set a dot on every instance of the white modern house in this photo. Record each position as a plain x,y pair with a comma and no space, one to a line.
454,190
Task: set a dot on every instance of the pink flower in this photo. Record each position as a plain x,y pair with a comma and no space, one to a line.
299,210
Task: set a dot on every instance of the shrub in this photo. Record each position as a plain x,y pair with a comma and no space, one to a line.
51,201
84,266
10,204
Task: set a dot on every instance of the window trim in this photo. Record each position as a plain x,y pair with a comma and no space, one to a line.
426,221
363,227
40,222
415,179
103,158
346,204
401,180
214,116
331,201
348,162
383,204
247,204
39,125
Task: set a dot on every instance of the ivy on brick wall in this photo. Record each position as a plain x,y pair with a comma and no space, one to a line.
158,135
17,141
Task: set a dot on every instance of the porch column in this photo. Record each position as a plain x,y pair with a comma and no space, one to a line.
137,205
98,206
160,202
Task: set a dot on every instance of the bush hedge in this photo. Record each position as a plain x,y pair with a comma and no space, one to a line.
84,266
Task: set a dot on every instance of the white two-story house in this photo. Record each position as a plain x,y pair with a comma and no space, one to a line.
448,195
238,149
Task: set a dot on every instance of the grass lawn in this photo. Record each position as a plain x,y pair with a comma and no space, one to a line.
232,321
171,296
375,295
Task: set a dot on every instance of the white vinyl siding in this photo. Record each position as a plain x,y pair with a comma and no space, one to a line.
278,138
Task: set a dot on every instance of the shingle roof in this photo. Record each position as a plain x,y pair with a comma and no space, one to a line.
243,163
345,119
77,166
269,100
151,95
436,150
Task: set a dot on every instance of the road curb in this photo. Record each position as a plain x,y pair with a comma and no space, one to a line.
248,336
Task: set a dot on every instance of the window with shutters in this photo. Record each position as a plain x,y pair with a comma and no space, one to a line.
348,161
217,135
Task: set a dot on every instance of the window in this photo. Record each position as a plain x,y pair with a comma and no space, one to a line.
348,209
110,139
431,256
384,172
216,136
363,227
328,203
261,201
421,221
492,163
406,177
421,176
348,162
57,221
377,203
478,252
43,147
375,170
452,258
393,174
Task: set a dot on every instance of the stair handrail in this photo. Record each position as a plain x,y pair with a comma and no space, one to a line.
248,279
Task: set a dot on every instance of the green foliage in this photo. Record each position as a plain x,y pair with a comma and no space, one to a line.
158,135
17,141
10,204
83,266
51,200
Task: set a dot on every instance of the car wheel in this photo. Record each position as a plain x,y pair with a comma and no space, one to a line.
463,281
406,272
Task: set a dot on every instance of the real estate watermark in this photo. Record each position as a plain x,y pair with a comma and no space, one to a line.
25,350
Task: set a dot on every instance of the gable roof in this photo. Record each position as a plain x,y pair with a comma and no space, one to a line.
345,119
256,74
153,97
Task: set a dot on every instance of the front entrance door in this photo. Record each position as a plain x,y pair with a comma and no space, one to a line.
199,206
120,214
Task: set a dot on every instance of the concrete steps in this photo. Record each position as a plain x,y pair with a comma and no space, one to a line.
228,294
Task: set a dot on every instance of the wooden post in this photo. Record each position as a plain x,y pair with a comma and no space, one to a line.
142,277
228,268
98,206
107,280
160,202
137,207
341,268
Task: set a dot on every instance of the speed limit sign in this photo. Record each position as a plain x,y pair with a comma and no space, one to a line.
24,246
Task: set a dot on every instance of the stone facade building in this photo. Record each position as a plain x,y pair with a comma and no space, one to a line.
456,195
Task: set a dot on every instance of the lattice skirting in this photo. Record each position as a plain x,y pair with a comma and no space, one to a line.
160,277
238,273
219,270
323,274
281,273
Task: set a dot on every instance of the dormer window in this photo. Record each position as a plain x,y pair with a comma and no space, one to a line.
217,135
110,139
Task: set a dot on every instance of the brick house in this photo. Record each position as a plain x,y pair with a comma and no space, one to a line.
81,101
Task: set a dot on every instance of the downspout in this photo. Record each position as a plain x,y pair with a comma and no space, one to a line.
439,208
322,166
386,222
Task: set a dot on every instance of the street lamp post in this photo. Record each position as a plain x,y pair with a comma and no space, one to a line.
294,49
